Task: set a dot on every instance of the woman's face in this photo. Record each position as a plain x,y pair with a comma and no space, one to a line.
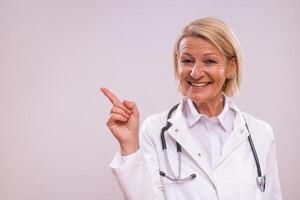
202,69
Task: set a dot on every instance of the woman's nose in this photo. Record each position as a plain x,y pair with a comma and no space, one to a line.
197,71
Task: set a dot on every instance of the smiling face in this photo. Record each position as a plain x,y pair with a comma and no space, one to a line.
202,70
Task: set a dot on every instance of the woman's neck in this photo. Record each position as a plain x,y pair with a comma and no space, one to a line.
212,108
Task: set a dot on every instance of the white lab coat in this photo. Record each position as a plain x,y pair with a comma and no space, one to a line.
234,178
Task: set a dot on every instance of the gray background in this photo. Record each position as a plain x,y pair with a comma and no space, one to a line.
55,55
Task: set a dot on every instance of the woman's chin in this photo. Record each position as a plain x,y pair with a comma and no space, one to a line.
197,98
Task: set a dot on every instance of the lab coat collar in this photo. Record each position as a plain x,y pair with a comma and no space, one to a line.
193,116
179,131
231,105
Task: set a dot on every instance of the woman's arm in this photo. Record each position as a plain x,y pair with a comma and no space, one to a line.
138,175
136,169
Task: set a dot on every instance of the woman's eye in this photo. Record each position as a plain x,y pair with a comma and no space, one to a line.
186,61
209,61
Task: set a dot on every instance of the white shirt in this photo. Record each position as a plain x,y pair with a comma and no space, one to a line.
211,133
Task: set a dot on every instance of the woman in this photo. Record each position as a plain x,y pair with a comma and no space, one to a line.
212,150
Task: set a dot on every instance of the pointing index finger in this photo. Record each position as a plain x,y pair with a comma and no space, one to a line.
113,98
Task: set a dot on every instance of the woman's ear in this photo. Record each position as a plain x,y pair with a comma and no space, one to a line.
231,68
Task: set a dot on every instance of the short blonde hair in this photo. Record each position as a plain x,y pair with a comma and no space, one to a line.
221,35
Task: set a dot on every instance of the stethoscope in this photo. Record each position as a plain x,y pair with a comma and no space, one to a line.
260,179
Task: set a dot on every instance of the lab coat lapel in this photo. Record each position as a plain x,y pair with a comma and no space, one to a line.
238,136
180,133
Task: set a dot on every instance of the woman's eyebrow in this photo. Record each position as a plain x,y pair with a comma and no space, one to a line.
210,54
186,53
205,54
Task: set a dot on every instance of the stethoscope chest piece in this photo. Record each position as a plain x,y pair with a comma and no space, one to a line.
261,182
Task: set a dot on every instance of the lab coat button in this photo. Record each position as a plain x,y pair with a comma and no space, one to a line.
214,186
199,154
176,130
241,131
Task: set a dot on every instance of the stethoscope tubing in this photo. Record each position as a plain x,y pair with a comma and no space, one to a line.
260,179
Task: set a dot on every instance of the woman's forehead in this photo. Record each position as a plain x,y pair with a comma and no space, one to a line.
194,45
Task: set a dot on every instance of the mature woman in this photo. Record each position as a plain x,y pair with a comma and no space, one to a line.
205,147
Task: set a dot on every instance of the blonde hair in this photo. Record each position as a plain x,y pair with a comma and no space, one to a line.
221,35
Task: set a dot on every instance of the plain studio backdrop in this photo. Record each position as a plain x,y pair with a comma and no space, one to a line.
56,54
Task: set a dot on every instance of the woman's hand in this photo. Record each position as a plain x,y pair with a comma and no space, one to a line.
123,122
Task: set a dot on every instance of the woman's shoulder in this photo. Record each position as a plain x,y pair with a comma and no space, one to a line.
152,125
158,119
258,126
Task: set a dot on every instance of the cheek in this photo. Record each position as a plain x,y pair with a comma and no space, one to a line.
182,82
182,76
183,72
220,76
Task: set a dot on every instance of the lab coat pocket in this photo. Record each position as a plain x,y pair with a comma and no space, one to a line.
191,189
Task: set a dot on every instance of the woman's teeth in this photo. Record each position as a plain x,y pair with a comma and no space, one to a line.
202,84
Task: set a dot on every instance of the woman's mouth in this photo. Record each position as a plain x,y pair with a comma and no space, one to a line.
199,84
